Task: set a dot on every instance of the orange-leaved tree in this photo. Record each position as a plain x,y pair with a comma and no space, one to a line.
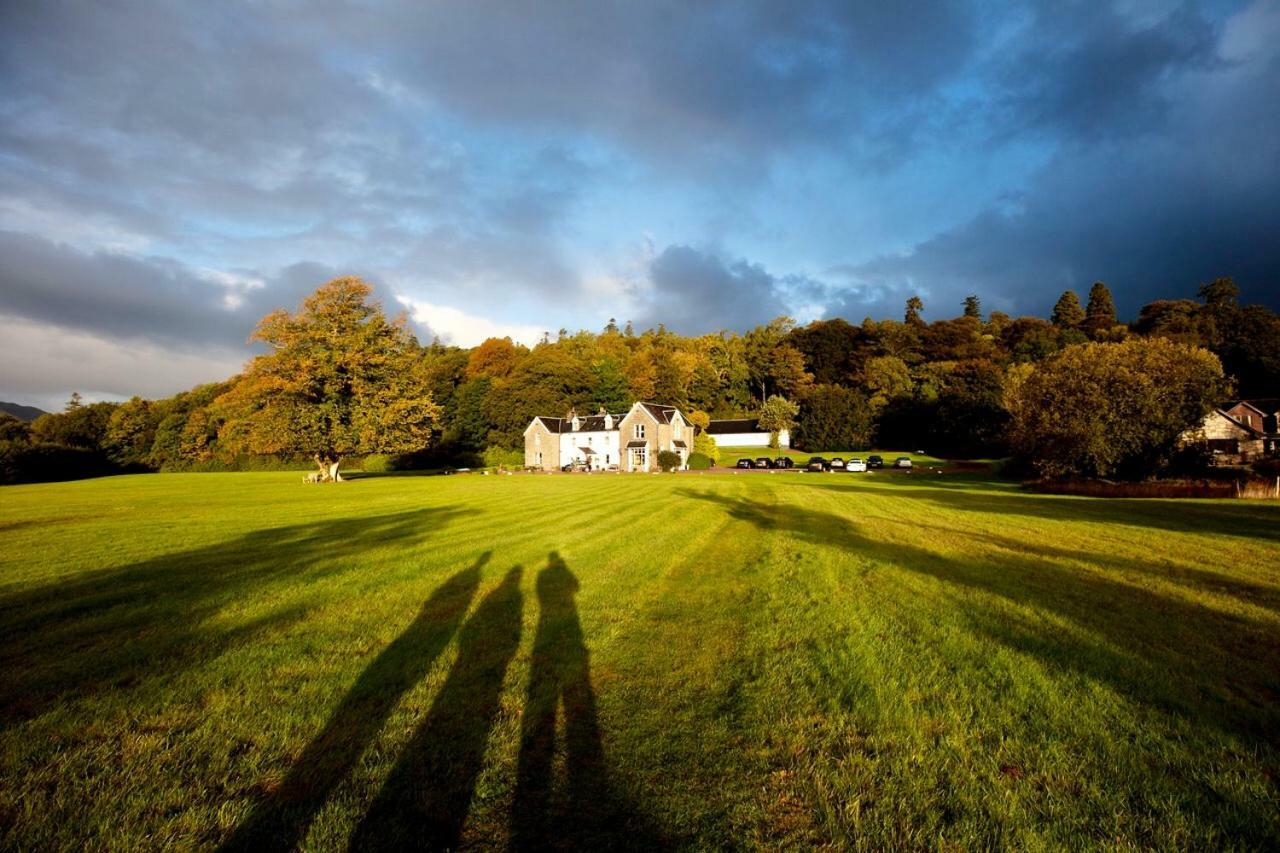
340,379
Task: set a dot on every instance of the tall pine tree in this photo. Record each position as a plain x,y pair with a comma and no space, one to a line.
1067,313
1100,313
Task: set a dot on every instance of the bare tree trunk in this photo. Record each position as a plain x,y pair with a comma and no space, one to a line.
328,465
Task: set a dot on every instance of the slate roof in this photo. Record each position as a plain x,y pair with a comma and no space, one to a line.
734,425
660,412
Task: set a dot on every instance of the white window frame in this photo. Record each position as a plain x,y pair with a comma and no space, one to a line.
637,430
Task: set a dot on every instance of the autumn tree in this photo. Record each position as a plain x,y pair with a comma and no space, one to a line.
340,379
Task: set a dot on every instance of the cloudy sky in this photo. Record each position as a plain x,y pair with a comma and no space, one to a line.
171,171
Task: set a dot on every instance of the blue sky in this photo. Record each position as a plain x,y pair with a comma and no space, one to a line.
170,172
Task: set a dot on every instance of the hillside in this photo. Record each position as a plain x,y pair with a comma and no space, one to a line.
21,412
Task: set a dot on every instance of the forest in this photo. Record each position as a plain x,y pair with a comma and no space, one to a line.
949,387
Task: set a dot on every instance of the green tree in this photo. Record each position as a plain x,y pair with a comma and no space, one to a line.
778,414
1067,313
886,377
1111,409
914,307
130,432
340,379
972,306
834,418
1220,292
1100,313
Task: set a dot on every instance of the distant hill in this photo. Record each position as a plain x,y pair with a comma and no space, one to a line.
22,413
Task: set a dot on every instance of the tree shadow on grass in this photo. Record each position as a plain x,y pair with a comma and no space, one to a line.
1223,517
425,799
1214,670
587,814
280,822
1218,669
115,628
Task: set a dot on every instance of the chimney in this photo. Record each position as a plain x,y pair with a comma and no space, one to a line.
573,419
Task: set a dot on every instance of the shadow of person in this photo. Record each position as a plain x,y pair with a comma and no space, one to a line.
280,821
424,800
587,814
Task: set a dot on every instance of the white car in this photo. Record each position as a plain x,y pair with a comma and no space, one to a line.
856,465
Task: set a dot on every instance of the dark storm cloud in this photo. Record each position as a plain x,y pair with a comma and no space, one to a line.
692,291
1153,215
154,299
1084,71
150,153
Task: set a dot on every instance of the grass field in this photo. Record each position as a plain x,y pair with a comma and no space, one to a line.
695,660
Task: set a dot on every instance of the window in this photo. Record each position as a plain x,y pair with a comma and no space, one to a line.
638,430
639,459
537,440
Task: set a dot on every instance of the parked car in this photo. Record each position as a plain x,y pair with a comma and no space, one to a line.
817,463
836,463
744,463
902,462
783,462
855,465
762,462
875,462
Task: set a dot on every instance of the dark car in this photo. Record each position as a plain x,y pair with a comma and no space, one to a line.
875,462
744,463
783,462
836,463
817,463
762,462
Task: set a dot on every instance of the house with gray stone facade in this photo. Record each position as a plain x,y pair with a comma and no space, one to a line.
628,441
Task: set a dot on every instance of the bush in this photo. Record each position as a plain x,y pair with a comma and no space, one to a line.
668,460
699,461
378,463
501,457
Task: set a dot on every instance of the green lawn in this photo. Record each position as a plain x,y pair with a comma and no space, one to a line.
696,660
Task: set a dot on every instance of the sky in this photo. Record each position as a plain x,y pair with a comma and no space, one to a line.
170,172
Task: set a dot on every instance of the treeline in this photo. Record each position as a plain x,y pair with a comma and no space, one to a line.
947,387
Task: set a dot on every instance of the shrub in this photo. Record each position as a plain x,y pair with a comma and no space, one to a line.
668,460
705,445
699,461
378,463
501,457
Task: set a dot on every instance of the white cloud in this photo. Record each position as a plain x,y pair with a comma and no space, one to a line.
467,330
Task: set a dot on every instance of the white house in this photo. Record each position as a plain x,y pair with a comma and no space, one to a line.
604,441
744,432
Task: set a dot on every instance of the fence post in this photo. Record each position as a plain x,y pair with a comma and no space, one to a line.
1278,487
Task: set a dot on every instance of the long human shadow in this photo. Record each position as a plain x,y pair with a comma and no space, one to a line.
588,814
280,821
112,629
424,800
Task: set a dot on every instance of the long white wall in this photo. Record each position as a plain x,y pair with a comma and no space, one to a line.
750,439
